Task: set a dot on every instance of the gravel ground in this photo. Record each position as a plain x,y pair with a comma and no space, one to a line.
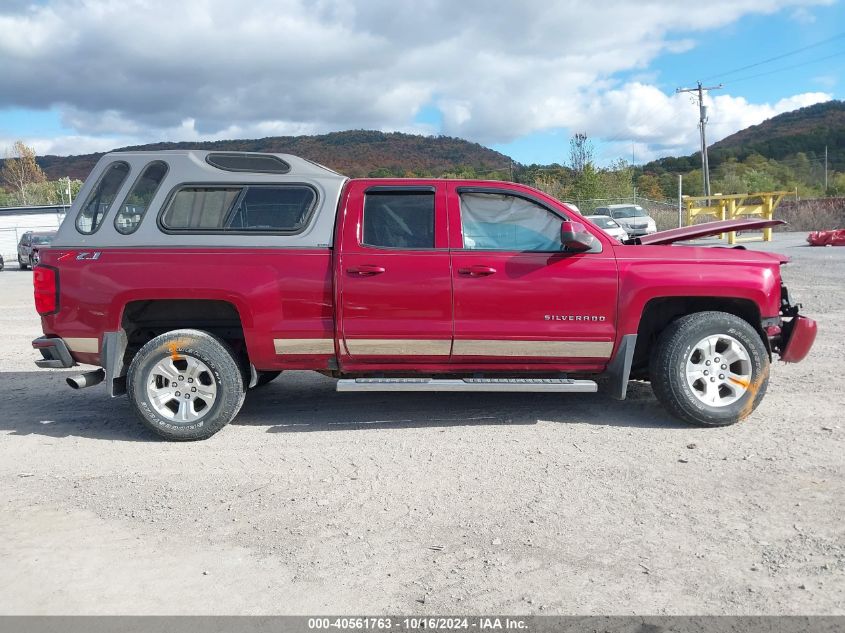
318,502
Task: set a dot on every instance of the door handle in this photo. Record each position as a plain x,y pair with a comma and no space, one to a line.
366,270
477,271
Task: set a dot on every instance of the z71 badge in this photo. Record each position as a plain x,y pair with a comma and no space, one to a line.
88,255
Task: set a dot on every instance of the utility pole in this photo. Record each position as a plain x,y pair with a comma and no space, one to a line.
680,200
633,162
702,123
825,170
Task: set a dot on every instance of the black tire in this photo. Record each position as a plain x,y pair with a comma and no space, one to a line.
21,265
265,377
223,370
675,347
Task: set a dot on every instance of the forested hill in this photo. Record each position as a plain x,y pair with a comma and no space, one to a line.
806,130
353,153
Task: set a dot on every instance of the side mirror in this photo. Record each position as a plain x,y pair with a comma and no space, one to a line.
575,238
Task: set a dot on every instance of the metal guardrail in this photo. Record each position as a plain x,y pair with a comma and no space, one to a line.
730,207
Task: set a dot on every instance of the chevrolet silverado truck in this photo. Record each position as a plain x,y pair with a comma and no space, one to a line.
189,277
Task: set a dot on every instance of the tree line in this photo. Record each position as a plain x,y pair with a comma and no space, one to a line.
24,182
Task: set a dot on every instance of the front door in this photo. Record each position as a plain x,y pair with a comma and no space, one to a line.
518,298
394,274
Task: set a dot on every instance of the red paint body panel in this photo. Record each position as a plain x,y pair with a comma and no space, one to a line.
410,297
415,294
800,340
277,293
651,272
515,300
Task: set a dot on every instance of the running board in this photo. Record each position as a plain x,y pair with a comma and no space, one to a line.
557,385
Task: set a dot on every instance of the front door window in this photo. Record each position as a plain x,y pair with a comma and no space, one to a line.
501,222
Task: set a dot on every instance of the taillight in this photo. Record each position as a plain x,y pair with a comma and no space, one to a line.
45,279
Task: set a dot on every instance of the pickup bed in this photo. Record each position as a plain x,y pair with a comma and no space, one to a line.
189,277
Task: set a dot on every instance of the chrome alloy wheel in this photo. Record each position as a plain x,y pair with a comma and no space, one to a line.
181,388
718,370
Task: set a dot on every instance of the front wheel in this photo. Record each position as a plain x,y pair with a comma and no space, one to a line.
710,368
185,385
21,265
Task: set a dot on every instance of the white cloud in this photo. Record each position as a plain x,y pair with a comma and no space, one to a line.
144,70
803,16
661,124
66,144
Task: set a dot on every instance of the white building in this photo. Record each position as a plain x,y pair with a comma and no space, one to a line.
15,221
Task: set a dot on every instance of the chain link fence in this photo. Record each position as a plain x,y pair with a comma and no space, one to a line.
12,228
664,213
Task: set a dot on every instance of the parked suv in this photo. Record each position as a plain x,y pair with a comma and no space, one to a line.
631,217
188,277
29,245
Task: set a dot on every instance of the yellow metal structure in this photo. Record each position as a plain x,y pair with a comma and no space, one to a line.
730,207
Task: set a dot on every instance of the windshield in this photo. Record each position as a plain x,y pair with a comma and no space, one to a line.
604,222
629,212
42,239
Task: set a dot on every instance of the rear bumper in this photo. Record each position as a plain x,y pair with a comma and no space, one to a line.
55,353
799,334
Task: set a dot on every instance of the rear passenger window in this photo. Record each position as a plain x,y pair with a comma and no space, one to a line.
397,219
271,209
101,198
135,205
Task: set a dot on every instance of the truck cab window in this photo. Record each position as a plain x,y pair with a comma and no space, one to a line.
399,219
503,222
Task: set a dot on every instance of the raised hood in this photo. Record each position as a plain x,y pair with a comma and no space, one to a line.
705,229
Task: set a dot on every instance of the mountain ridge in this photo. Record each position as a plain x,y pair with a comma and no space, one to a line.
354,153
805,130
358,153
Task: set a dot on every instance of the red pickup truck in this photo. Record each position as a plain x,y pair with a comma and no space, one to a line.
189,277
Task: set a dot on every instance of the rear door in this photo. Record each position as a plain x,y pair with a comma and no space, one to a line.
518,298
394,275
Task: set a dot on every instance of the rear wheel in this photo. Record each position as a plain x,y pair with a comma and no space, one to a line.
710,368
185,385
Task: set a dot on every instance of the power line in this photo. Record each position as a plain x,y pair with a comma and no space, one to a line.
779,70
643,116
777,57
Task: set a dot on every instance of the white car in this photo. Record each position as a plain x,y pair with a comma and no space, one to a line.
631,217
609,226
